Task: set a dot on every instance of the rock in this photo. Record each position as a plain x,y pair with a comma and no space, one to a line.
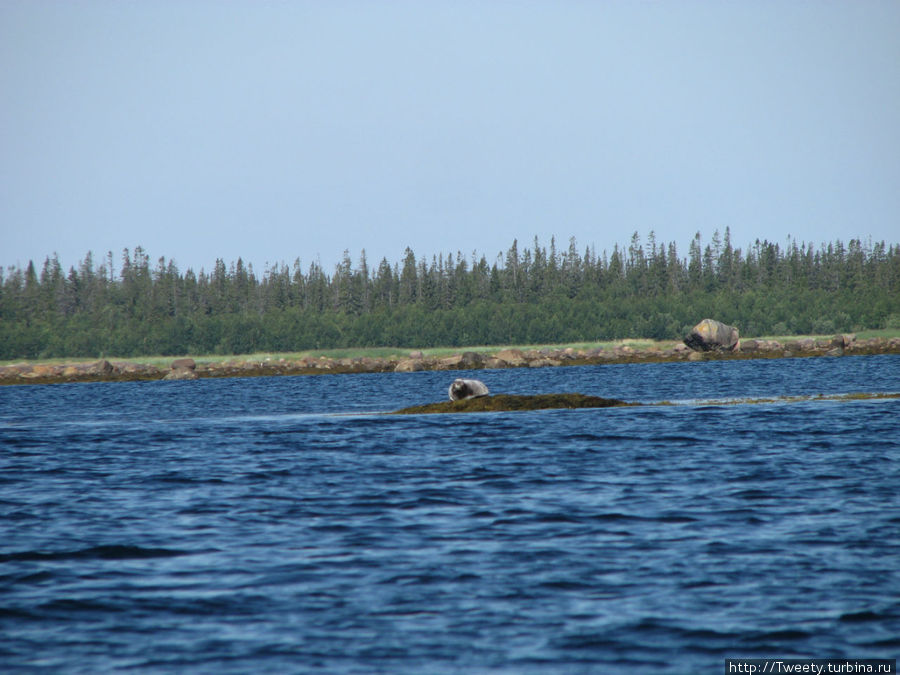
103,367
711,335
871,346
807,344
370,365
513,357
464,361
416,355
695,356
12,371
189,364
462,389
749,346
449,362
181,374
409,366
38,372
606,356
835,351
543,363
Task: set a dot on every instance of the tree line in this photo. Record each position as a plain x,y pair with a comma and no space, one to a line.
529,295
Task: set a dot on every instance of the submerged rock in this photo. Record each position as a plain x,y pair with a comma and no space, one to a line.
507,402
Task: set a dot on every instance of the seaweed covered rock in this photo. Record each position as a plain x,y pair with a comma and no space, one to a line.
712,336
508,402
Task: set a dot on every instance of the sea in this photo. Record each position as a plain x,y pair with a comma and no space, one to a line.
287,525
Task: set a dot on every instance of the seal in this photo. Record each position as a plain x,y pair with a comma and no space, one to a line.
462,389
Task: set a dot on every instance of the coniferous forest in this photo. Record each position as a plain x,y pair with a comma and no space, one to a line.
529,295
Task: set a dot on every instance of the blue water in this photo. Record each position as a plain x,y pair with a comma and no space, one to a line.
278,525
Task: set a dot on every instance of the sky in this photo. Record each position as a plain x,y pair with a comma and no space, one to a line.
281,130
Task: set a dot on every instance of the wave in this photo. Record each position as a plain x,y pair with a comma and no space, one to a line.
109,552
750,400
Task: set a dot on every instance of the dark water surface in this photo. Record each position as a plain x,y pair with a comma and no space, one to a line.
276,525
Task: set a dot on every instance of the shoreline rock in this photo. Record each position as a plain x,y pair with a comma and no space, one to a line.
189,369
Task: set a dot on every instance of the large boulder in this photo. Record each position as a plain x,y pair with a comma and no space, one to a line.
712,336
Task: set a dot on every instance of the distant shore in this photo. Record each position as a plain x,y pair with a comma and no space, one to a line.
626,351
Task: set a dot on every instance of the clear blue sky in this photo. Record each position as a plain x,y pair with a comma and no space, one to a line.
284,129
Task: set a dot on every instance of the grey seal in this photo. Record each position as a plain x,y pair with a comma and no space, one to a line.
462,389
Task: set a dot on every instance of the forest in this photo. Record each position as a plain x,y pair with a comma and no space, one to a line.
528,295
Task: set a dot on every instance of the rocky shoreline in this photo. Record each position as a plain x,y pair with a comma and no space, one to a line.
189,369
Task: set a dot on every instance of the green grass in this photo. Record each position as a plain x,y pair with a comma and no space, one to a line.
878,333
